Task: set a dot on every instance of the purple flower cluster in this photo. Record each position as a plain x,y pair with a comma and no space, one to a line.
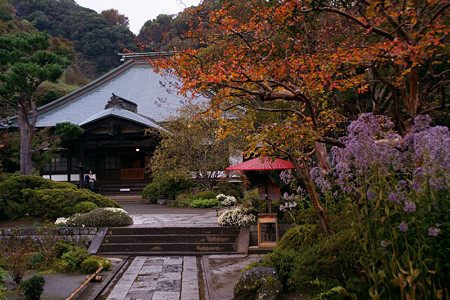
384,244
402,227
433,231
372,146
409,206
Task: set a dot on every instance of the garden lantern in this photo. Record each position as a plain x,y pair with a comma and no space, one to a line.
267,223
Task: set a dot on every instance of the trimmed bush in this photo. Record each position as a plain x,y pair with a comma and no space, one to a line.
101,217
14,204
204,195
90,265
165,187
104,262
84,207
43,198
296,237
74,257
204,203
33,288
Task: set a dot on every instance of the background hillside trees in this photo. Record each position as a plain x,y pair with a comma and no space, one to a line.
97,38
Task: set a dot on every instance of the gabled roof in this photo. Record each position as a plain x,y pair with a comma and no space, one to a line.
121,114
155,95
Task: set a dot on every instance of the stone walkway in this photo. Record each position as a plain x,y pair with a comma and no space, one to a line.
172,277
157,278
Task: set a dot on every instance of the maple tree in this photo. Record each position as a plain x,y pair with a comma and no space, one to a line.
191,147
294,61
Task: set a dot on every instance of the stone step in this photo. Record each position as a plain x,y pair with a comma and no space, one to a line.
172,230
170,238
168,247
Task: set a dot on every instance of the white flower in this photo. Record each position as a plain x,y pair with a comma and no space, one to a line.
61,221
226,200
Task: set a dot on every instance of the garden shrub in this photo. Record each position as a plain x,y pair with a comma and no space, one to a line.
237,217
74,257
164,186
100,217
204,195
14,204
33,287
226,200
84,207
231,189
90,265
181,200
252,201
296,237
282,260
204,203
43,198
104,262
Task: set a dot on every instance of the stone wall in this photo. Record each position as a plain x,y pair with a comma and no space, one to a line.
78,235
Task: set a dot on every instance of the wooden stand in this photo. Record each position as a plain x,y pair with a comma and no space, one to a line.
267,230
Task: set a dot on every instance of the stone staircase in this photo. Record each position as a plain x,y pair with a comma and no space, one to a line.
123,188
170,241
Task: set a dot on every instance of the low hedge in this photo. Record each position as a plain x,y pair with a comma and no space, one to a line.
204,203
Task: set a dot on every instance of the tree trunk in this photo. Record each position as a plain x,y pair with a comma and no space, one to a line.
303,172
413,105
27,131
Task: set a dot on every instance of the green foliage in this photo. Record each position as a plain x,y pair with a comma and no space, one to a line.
3,277
204,203
93,263
204,195
101,217
90,265
68,131
104,262
404,249
231,189
92,34
53,203
252,201
163,186
296,237
33,287
74,257
13,204
84,207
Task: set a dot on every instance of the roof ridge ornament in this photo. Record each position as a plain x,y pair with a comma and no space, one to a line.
115,102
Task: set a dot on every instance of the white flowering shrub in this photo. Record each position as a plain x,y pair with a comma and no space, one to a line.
61,222
100,217
236,217
226,200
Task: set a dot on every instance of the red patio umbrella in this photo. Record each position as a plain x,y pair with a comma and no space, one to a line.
264,163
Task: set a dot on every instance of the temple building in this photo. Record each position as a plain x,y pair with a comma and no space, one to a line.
114,110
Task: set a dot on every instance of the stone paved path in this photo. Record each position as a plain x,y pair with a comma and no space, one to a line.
157,278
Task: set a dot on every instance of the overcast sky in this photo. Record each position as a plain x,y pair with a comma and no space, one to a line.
139,11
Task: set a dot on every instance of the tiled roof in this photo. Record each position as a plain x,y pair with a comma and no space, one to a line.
122,114
154,94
